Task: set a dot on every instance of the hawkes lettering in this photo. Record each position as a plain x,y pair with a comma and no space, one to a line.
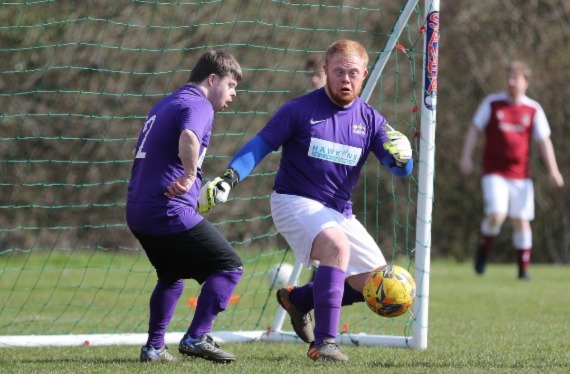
334,152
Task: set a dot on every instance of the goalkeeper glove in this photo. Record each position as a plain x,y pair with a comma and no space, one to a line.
398,146
217,190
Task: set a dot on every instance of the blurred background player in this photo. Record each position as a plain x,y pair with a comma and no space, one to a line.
326,137
315,68
509,121
161,209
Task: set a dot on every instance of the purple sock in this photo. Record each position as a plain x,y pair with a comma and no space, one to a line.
328,288
302,297
214,298
350,295
162,304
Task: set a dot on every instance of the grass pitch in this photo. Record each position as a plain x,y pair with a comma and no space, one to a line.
494,323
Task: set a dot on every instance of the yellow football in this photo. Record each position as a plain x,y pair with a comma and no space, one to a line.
389,291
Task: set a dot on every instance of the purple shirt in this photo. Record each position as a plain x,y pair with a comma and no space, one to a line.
324,147
157,164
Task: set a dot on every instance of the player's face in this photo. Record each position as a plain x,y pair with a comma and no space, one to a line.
517,84
223,90
345,75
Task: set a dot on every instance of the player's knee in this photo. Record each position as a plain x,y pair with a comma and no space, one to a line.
331,247
491,225
222,286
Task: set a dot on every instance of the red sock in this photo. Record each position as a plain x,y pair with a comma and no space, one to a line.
523,258
485,242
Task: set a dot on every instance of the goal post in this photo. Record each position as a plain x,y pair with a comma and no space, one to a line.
77,85
426,173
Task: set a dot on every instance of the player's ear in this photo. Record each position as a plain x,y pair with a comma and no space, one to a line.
212,79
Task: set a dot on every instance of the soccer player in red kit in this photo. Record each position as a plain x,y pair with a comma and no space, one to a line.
509,121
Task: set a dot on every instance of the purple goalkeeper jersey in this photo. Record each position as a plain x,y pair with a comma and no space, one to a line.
324,147
157,164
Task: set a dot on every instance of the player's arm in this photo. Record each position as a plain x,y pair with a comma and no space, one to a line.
479,122
398,171
547,153
241,165
398,156
188,151
471,139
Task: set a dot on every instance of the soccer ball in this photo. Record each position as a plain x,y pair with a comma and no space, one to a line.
389,291
279,275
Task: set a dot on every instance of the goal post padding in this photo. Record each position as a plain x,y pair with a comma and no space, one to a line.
76,87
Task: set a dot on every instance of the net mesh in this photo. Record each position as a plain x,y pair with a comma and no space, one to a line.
76,83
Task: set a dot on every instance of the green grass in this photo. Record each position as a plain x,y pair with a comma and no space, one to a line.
493,323
97,292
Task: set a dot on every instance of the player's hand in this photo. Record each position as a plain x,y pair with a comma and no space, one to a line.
399,147
179,187
215,191
557,179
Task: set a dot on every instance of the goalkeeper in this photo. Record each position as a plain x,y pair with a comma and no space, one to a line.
326,137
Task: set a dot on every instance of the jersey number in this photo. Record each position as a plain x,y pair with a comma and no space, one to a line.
146,130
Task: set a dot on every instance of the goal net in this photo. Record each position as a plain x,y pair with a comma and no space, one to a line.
76,84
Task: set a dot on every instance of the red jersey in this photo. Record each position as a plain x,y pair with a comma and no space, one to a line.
509,128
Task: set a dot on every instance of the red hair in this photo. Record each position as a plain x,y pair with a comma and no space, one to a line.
347,48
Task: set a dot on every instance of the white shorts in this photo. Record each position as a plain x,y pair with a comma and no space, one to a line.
513,197
299,220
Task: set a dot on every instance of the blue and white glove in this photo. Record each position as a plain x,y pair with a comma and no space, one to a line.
217,190
398,146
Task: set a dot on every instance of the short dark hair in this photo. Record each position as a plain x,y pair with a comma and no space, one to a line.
215,62
314,63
